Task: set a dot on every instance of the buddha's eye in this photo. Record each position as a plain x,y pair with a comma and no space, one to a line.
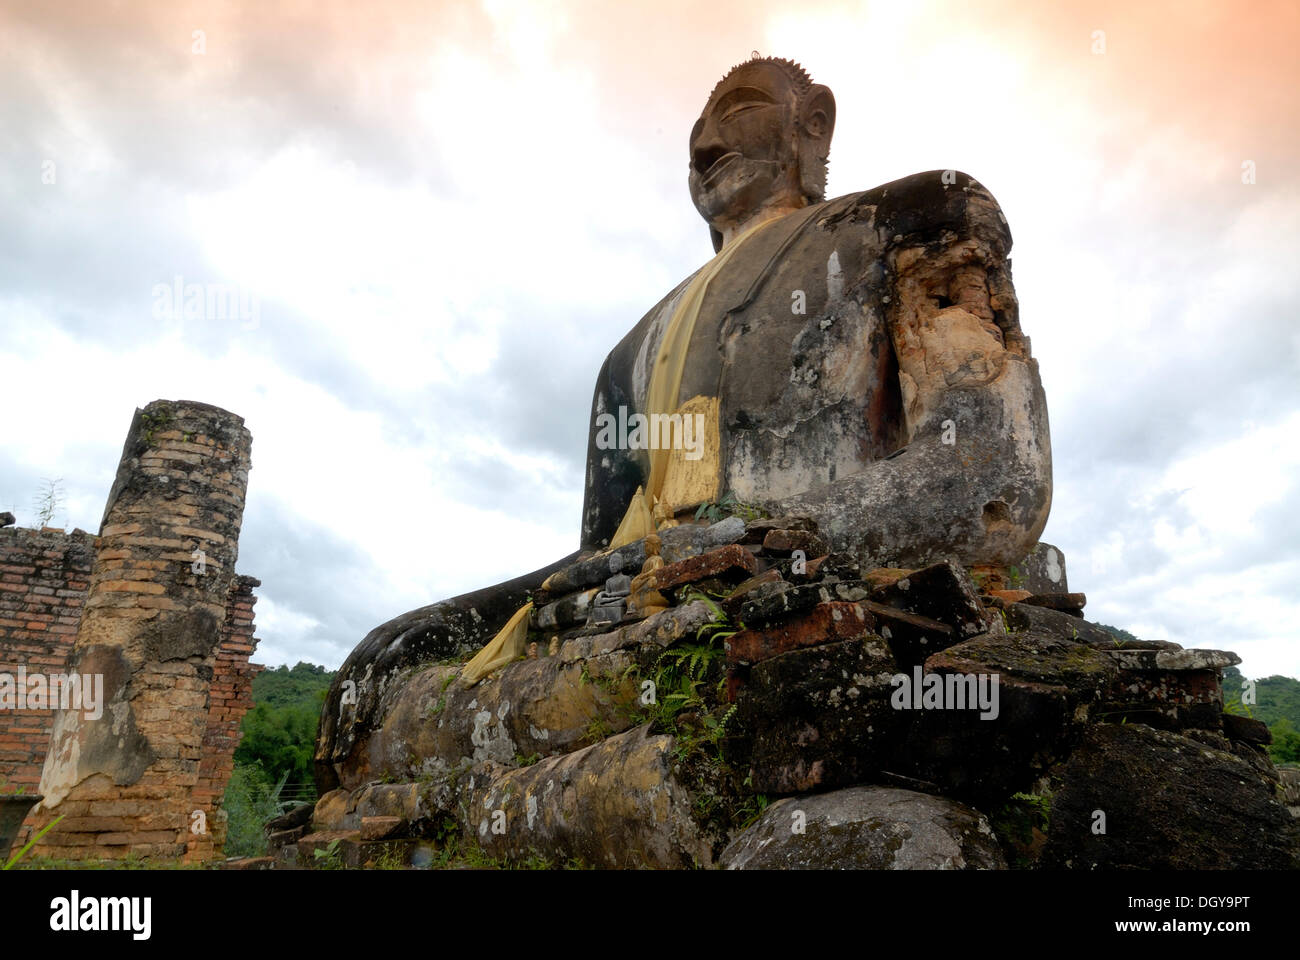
732,114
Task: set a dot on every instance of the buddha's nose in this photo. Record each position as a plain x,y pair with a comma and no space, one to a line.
708,148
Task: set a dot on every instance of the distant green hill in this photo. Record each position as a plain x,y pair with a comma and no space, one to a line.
279,733
278,741
283,687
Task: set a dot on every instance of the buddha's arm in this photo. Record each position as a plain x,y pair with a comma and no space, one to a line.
974,480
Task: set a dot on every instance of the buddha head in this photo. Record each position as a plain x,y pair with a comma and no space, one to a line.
761,142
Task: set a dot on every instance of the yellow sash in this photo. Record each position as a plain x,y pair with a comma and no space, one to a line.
674,479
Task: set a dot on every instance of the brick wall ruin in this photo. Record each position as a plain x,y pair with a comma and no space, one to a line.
153,608
44,575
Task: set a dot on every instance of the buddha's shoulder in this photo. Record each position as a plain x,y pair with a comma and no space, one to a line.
921,208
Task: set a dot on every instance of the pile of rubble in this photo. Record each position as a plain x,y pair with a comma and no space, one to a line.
834,717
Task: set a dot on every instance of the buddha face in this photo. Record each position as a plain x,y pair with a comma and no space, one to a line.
744,147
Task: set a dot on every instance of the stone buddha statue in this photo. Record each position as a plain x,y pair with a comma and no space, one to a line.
857,361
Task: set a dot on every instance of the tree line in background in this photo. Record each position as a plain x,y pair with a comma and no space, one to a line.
273,763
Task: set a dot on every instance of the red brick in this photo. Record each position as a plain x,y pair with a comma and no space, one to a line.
824,623
724,560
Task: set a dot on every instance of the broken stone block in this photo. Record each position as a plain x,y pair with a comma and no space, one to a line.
1021,618
824,623
1131,658
816,717
592,571
911,637
745,590
277,840
1042,571
1246,729
382,828
757,530
1071,603
663,629
788,600
866,828
942,592
884,576
1045,687
1168,699
723,561
691,540
565,612
1004,598
1169,803
294,817
335,811
785,542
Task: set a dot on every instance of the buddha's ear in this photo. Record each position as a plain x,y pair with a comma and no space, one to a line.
716,237
816,125
817,114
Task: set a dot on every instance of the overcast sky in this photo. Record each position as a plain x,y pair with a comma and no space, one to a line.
442,216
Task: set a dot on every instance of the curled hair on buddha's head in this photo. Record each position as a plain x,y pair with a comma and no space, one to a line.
814,119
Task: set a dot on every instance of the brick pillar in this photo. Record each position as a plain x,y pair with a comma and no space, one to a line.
127,782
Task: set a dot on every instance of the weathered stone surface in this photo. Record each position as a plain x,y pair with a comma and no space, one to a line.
757,530
6,519
1021,618
446,630
1170,804
614,804
785,542
607,613
335,810
279,839
593,570
824,623
911,637
566,611
1246,729
867,828
434,722
1045,688
382,828
788,600
942,592
1043,570
1004,598
662,630
1072,603
884,576
728,560
1290,789
1168,699
769,581
1131,658
691,540
816,717
296,817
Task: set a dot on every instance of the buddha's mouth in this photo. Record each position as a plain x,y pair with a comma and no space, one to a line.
718,167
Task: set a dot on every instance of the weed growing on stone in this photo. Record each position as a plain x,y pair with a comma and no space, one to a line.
729,506
329,858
